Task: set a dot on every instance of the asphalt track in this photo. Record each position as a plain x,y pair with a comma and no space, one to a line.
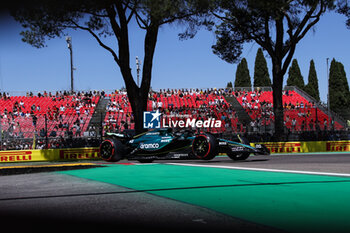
279,193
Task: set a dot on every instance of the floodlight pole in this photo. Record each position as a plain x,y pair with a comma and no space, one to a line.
138,64
69,43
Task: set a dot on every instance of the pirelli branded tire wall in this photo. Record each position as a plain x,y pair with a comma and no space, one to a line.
93,152
307,147
49,155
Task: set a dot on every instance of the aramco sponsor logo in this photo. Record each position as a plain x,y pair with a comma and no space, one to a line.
149,146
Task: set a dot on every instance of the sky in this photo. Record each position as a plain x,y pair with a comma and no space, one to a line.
177,63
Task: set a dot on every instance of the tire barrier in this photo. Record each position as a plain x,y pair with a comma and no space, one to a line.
93,152
307,147
49,155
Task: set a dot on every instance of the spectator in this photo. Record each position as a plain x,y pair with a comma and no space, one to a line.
124,124
77,129
42,132
53,133
34,119
294,125
311,125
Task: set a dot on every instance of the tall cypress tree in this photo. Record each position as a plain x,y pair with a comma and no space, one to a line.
339,93
242,75
261,73
312,86
294,76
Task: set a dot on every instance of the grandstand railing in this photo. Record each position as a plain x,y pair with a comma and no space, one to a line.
319,104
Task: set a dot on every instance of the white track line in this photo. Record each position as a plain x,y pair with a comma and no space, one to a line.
265,169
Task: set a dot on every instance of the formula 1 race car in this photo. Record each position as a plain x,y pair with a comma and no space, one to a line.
165,144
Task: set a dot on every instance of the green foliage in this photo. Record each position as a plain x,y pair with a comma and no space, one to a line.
276,26
256,20
261,73
343,7
44,20
242,75
312,86
229,84
339,93
294,76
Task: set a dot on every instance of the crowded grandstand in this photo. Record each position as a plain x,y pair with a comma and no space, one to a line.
58,120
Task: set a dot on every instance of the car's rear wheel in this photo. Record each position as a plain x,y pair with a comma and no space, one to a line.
204,146
112,150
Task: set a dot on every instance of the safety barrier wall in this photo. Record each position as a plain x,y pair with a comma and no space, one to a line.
307,147
49,155
93,152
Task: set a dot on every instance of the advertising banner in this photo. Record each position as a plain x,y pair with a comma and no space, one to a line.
93,152
49,155
338,146
307,147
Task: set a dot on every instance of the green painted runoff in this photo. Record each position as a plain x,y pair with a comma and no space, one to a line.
292,202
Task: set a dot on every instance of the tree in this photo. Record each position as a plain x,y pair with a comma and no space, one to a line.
294,76
261,73
49,19
242,75
312,86
276,26
343,7
229,85
339,93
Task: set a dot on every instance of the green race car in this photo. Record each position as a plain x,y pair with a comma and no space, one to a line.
165,144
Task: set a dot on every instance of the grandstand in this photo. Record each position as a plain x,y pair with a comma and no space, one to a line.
305,111
21,116
192,105
64,115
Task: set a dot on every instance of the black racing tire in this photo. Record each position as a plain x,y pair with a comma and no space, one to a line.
112,150
240,156
205,146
